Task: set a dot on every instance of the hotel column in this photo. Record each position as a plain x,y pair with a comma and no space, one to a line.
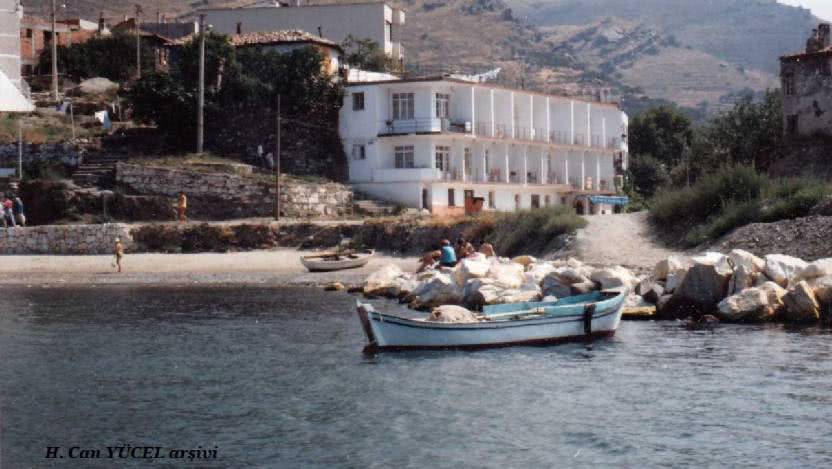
511,113
493,123
525,177
507,177
543,178
603,132
582,182
588,125
486,150
598,171
566,168
548,121
473,111
571,122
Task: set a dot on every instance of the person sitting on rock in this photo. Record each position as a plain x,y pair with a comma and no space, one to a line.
448,255
463,248
429,260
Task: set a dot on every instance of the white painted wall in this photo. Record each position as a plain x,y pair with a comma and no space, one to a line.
10,14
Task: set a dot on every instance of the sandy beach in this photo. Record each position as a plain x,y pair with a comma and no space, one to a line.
277,267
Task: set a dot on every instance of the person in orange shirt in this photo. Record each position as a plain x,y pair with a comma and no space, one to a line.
182,206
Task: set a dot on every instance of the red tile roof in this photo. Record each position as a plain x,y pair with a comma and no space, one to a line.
270,37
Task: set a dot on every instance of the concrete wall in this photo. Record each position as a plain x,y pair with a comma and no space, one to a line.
65,239
336,22
223,196
809,99
10,14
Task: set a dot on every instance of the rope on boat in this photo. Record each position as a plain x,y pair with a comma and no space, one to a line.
589,310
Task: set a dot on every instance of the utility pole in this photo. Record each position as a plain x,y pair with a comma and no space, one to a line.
277,165
200,105
54,54
138,42
20,149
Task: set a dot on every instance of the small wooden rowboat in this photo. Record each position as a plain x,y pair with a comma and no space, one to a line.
570,319
327,262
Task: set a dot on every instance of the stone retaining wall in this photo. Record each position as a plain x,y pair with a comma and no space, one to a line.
221,196
64,239
65,153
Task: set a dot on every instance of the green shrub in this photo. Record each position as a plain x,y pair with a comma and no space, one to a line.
533,231
729,198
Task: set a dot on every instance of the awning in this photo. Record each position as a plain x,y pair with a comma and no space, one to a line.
11,99
608,200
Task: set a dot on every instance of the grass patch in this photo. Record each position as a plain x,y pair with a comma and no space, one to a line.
732,197
534,231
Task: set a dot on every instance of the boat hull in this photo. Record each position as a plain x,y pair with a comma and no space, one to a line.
318,264
386,332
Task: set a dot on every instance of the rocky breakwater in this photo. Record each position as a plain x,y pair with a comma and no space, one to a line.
479,281
65,239
741,287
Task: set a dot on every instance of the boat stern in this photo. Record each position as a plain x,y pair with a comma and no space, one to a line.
364,311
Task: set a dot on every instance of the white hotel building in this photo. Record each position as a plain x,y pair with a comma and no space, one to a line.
441,143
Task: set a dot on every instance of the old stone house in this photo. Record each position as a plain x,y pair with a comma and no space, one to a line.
807,87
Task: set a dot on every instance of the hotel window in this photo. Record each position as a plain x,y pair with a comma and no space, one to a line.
443,106
547,201
404,157
358,101
451,199
791,125
443,158
402,106
359,152
788,84
492,203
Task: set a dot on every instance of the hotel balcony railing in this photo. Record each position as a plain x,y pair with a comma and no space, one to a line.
515,179
580,139
560,136
483,129
597,141
426,125
502,131
495,176
539,135
531,178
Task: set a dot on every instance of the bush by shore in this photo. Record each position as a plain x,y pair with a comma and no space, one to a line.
729,198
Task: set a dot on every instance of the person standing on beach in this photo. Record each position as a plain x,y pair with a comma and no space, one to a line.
182,206
118,251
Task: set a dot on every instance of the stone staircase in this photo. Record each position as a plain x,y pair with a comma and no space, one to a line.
97,171
366,205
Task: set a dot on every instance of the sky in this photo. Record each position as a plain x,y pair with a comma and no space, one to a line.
821,8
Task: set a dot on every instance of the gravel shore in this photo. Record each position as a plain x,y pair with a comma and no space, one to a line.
275,268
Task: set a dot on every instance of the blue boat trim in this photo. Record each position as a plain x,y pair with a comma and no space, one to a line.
372,348
381,317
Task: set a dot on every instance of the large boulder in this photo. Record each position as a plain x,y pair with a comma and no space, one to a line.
651,290
749,305
540,270
452,314
775,295
614,277
440,290
743,278
704,286
783,269
553,286
720,261
817,269
674,280
508,275
479,292
669,266
801,304
741,258
570,274
386,281
822,288
582,288
525,261
469,268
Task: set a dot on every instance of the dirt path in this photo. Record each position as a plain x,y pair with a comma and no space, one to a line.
623,239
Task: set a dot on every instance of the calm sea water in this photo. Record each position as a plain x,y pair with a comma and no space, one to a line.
276,378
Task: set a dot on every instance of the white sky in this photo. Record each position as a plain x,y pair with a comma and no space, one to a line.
821,8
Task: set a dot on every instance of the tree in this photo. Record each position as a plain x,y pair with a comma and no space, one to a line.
111,57
160,99
749,133
647,174
662,132
366,54
219,61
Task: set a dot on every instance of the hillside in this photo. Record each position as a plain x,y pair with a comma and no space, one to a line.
749,33
698,54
